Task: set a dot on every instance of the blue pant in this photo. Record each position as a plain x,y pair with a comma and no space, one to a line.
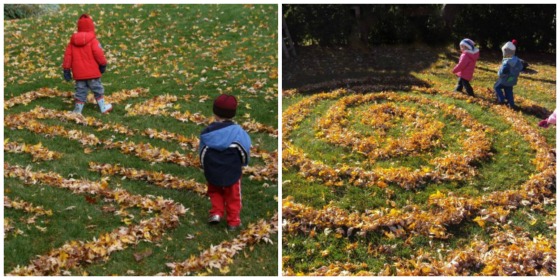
508,90
83,87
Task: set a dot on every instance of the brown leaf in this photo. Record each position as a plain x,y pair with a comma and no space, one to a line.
109,208
91,199
140,256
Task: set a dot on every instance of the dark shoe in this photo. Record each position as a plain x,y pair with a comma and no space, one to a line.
544,123
214,219
234,228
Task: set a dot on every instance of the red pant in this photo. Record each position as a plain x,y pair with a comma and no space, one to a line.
228,200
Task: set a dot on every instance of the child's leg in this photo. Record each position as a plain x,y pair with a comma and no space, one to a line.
499,94
81,91
216,199
233,203
80,96
509,96
459,86
468,87
97,88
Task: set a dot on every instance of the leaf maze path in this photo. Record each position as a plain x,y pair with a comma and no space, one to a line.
338,123
451,166
27,207
78,253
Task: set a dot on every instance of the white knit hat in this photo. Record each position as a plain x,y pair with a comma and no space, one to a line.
508,45
468,43
508,49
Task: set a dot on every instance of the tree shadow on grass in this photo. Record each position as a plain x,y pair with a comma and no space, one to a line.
317,69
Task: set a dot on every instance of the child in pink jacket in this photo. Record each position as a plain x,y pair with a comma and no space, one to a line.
465,68
548,121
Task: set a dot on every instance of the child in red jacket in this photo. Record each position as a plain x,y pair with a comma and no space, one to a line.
465,68
84,56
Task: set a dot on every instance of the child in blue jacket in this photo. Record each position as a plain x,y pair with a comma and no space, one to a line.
507,75
224,149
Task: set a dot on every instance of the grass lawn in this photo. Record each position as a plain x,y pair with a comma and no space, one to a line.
191,52
340,222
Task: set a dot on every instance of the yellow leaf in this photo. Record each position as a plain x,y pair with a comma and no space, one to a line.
479,221
105,184
437,195
389,234
224,270
63,256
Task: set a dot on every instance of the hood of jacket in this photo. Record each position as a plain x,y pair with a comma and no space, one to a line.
222,138
511,60
473,55
85,24
81,39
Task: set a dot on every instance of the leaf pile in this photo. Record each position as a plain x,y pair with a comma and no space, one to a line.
157,178
218,257
28,97
449,167
37,151
75,253
509,252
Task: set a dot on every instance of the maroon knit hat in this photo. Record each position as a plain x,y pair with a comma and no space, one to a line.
225,106
85,24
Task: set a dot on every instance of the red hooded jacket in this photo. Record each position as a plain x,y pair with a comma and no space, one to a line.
84,54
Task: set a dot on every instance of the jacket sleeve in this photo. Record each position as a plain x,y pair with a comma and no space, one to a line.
504,70
98,53
463,62
552,118
246,145
201,147
518,66
67,62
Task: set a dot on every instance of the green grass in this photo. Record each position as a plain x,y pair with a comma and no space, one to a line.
510,165
166,49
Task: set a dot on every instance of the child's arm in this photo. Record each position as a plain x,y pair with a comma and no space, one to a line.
518,67
243,145
504,70
201,147
552,118
67,63
461,65
98,53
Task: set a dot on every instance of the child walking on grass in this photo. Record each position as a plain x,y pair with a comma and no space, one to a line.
507,75
84,59
465,68
224,149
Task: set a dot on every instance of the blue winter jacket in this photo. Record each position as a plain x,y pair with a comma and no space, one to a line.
509,71
224,149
